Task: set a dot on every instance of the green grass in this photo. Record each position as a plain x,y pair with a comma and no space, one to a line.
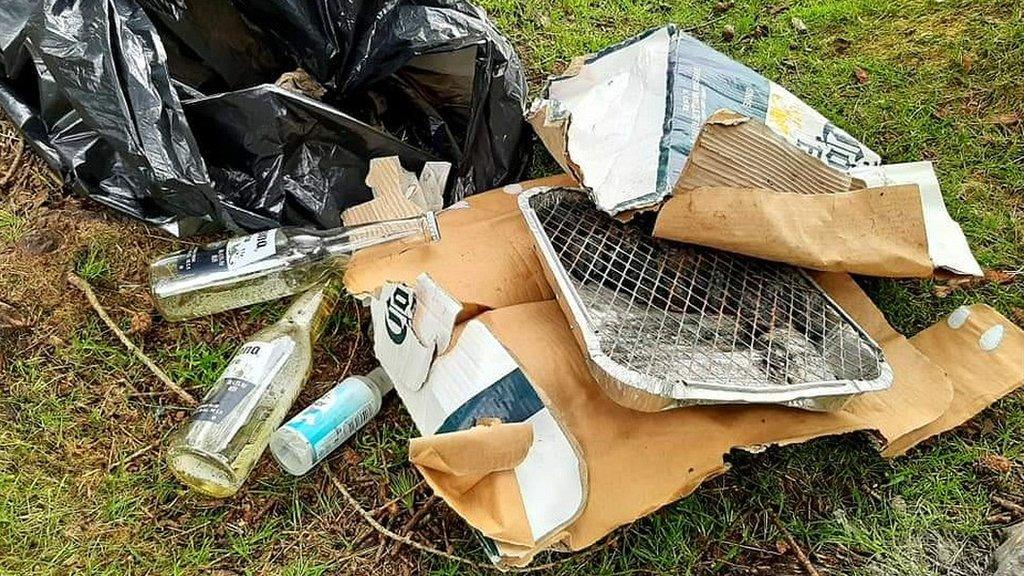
12,227
938,71
92,264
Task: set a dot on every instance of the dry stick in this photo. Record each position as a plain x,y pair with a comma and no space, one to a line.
804,560
385,505
166,380
15,164
380,509
413,521
1011,506
131,457
704,24
368,518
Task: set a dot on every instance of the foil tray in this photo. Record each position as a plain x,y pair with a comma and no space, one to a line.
665,324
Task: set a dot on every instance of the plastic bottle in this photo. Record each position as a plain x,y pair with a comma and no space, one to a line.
327,423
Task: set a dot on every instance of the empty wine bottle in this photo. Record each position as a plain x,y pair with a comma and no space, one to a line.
265,266
214,451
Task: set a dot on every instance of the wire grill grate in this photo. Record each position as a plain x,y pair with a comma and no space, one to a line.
681,316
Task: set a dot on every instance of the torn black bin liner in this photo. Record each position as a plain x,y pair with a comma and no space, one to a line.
162,109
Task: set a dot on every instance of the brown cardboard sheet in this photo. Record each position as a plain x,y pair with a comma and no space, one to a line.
732,150
874,231
473,471
637,462
485,258
980,376
747,190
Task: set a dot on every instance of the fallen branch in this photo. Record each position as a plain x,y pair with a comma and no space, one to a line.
369,519
804,560
1008,505
164,378
15,163
413,521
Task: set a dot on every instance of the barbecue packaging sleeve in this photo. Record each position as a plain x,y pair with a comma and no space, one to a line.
746,189
169,112
520,367
623,121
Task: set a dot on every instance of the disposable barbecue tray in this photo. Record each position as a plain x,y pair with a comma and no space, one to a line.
665,324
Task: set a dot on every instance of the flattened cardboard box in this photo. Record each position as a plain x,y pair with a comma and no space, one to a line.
745,189
632,462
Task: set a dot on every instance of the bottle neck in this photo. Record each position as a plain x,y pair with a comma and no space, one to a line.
312,309
349,240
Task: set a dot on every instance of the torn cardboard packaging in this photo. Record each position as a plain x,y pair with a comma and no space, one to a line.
623,121
513,351
490,445
747,190
398,193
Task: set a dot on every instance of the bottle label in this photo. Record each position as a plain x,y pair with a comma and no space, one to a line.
331,420
234,254
245,379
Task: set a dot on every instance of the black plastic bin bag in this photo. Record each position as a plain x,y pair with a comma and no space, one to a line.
165,109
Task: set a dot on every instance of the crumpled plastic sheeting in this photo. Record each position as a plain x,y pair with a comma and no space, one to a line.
436,73
109,92
292,148
105,111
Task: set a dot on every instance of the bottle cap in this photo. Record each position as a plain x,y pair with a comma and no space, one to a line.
380,379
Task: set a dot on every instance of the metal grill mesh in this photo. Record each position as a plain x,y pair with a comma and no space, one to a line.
687,315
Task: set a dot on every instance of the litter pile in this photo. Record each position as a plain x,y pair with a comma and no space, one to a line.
575,351
168,110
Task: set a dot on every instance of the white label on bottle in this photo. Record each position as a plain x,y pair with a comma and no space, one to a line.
244,381
253,248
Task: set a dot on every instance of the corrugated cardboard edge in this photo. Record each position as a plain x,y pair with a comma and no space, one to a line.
396,194
736,151
553,128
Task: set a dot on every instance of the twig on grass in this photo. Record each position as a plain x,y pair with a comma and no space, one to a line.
407,528
800,555
420,514
703,24
86,289
124,461
369,519
386,505
15,163
1008,505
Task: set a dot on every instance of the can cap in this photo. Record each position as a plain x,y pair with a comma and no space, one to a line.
380,379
